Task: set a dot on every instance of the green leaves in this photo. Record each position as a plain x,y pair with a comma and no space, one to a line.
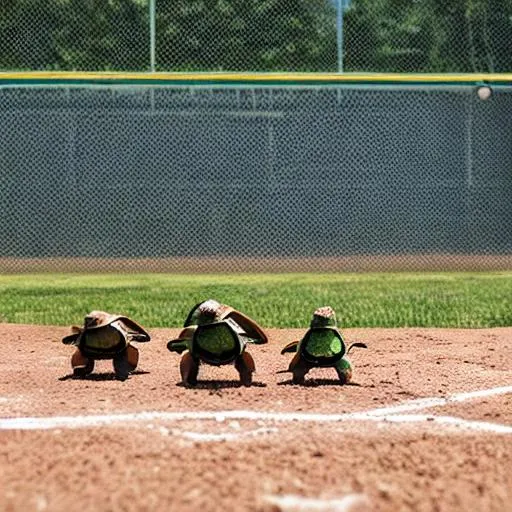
264,35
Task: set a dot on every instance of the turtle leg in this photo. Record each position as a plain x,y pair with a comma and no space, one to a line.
189,368
81,365
299,369
245,366
344,370
122,365
132,353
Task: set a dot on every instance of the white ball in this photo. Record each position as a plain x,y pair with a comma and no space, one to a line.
484,93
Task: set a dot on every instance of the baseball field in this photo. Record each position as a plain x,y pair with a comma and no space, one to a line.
425,424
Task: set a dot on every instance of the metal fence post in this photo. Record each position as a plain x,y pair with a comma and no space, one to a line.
341,5
339,33
152,35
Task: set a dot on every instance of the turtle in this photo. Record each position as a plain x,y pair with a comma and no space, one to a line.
216,334
105,336
321,346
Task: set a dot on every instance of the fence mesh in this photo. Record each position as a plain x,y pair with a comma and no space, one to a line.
257,35
255,177
106,174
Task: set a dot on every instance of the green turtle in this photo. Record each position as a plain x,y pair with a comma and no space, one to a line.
322,346
216,334
106,336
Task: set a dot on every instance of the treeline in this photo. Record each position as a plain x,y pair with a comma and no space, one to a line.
257,35
430,35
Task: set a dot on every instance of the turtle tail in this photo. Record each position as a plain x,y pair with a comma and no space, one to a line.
291,347
357,344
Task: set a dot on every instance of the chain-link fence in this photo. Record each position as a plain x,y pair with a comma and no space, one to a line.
257,35
274,174
284,178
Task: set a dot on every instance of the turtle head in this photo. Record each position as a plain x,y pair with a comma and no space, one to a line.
96,318
203,313
324,317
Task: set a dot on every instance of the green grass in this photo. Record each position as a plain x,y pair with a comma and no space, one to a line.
274,300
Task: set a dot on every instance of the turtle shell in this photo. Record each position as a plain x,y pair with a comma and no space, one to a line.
217,343
322,346
104,342
210,311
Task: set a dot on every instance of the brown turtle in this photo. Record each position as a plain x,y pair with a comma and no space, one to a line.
216,334
106,336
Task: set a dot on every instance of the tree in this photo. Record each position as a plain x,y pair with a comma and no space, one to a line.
472,35
246,35
26,34
388,36
103,35
258,35
73,35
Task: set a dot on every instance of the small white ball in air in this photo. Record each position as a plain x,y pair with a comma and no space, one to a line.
484,93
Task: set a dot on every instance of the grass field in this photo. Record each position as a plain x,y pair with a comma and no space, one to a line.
275,300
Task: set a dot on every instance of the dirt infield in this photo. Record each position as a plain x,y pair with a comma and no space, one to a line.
427,426
424,262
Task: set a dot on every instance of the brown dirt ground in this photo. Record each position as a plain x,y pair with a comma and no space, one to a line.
355,263
169,465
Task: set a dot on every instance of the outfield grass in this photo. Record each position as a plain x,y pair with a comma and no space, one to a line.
282,300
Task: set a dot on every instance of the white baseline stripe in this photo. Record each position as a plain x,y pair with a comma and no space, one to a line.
426,403
483,393
349,503
227,436
125,419
379,414
479,426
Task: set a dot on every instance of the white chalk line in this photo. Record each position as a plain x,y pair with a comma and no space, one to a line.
450,421
427,403
227,436
350,502
209,437
382,414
